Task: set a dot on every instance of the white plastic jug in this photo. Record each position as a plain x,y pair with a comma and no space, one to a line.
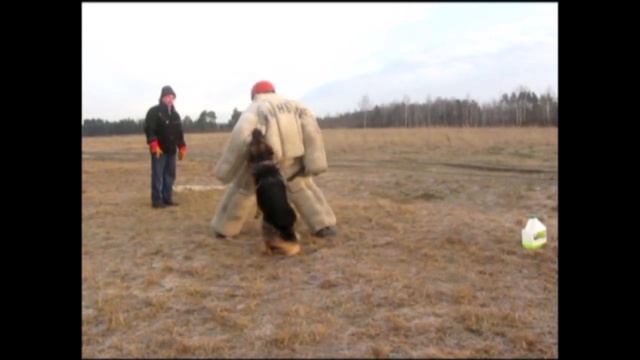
534,235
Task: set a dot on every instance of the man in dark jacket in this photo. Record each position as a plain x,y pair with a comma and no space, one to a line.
164,134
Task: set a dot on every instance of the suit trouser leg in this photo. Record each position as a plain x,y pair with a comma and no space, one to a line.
310,203
237,204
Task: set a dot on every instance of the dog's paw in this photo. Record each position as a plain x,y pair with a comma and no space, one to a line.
279,246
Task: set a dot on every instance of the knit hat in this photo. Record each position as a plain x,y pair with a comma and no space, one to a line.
167,90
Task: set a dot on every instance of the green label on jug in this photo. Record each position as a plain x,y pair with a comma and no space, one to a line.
539,235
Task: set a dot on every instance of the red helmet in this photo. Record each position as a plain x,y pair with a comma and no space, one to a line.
262,87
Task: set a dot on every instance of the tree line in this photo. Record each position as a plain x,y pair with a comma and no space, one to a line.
206,122
521,107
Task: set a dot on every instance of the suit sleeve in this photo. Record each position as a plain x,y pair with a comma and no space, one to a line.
315,157
236,150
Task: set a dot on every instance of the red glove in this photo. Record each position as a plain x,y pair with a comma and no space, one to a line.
155,148
182,152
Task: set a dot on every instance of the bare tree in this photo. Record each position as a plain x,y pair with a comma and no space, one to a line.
466,110
547,100
405,101
522,104
365,105
429,110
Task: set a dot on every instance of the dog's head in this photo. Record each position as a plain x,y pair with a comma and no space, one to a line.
259,150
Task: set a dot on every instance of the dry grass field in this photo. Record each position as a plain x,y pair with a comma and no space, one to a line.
428,261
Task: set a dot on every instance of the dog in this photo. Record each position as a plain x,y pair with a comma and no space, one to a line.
278,217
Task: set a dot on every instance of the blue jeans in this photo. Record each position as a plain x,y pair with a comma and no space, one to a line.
163,174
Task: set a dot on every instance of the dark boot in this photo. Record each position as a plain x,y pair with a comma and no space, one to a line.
326,231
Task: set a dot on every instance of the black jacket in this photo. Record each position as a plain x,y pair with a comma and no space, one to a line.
164,127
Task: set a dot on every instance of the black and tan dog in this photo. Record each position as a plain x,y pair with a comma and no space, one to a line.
278,217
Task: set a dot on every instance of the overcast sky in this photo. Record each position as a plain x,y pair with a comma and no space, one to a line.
326,54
